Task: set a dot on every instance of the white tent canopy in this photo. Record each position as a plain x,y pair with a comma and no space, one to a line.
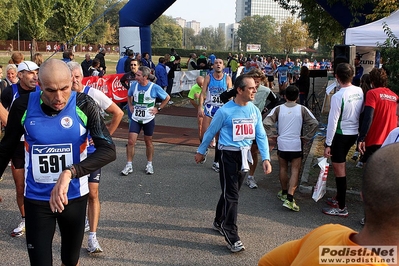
372,34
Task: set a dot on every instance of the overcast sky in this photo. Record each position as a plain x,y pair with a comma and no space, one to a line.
207,12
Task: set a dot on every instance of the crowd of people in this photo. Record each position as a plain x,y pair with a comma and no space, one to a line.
57,175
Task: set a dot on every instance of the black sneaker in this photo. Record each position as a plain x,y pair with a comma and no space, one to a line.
217,227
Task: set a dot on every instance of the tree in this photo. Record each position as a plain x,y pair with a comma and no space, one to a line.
323,27
34,15
74,16
257,30
211,38
8,16
390,55
293,34
166,33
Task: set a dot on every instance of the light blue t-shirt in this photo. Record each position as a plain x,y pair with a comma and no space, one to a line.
223,122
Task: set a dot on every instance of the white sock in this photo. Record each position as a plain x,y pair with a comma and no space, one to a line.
129,164
250,177
92,235
149,163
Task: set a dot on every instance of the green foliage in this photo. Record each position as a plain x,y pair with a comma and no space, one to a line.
34,15
212,38
293,34
166,33
8,16
324,28
390,55
72,17
257,30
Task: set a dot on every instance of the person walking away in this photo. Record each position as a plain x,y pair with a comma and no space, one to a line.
342,132
303,84
291,118
101,56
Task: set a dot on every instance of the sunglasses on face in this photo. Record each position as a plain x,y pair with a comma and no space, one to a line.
133,65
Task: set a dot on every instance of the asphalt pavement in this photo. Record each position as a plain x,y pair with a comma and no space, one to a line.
166,218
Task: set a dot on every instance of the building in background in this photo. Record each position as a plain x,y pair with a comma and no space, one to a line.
247,8
233,43
195,25
180,21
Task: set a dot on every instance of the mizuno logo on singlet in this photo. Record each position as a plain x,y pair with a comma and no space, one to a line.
47,150
40,150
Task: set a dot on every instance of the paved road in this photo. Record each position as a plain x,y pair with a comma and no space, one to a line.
165,219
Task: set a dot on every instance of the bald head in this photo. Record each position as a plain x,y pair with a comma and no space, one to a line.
200,80
380,187
52,69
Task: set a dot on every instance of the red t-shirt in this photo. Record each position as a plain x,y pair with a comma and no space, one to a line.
383,101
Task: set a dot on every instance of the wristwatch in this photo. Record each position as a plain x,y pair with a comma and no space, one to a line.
72,169
159,109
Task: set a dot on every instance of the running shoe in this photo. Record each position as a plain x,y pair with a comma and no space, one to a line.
332,202
215,167
359,165
281,196
87,225
20,230
93,246
127,170
236,247
206,153
170,102
149,169
355,156
291,205
336,211
217,227
251,183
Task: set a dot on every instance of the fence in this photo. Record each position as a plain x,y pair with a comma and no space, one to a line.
42,46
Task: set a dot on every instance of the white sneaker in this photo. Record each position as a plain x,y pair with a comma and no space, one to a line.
93,246
236,247
127,170
359,165
170,102
215,167
87,225
20,230
149,169
251,183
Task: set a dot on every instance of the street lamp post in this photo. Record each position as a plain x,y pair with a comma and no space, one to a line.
232,41
19,46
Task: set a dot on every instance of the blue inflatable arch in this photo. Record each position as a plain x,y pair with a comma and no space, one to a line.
135,19
341,13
